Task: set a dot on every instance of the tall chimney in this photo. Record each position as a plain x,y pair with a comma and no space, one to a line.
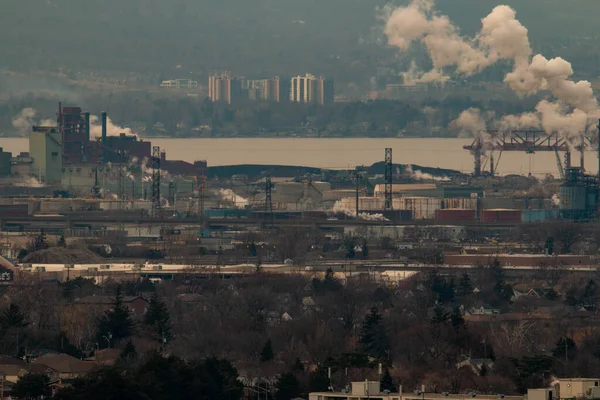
86,117
598,148
104,152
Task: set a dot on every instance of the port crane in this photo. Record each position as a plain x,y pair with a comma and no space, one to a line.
529,141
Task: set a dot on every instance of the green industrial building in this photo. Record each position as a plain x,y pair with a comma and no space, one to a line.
46,150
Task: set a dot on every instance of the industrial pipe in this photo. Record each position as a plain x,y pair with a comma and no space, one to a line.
104,154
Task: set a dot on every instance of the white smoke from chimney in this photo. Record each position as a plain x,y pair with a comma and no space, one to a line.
502,37
471,121
26,119
230,196
29,181
111,128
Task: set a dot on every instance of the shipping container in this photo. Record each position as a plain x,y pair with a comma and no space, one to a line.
530,216
455,215
225,213
460,203
501,215
14,210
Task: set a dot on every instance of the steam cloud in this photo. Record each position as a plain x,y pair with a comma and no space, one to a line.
29,181
26,119
230,196
423,176
111,128
502,37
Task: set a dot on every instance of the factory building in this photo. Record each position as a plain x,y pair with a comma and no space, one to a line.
45,148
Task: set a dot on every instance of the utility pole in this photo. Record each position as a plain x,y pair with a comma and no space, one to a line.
268,197
155,180
388,179
357,200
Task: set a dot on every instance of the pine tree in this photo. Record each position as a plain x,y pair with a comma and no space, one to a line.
61,241
287,387
157,317
440,315
116,323
12,317
456,318
267,352
129,352
298,366
387,383
464,285
373,338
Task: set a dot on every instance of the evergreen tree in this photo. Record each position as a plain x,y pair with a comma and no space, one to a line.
116,323
330,282
12,317
40,241
157,317
387,383
440,315
287,387
365,248
266,353
590,294
465,286
297,366
31,386
252,249
456,318
129,351
484,370
319,381
373,338
565,348
61,241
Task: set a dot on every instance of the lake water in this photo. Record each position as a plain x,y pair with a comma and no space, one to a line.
342,153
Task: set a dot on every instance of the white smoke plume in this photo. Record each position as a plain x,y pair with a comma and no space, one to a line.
502,37
111,128
471,121
29,181
230,196
423,176
338,208
26,119
372,217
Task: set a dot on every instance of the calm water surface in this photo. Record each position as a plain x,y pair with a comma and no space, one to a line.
341,153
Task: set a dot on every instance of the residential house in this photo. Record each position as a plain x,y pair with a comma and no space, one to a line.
577,388
105,357
137,305
12,368
63,366
481,309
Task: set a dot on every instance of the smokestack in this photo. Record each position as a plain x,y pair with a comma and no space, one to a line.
86,117
104,153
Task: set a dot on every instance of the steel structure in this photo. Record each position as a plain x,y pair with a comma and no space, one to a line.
201,195
528,141
388,178
74,127
96,192
155,179
122,196
268,197
171,196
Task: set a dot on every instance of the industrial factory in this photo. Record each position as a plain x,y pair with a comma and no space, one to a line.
118,188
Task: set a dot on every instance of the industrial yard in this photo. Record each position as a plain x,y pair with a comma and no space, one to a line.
121,198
